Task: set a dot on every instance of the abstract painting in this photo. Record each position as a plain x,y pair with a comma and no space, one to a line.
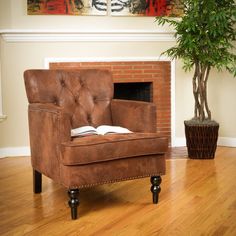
147,8
67,7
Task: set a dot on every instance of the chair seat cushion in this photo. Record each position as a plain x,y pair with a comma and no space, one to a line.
100,148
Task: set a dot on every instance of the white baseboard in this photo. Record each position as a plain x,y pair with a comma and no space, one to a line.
177,142
228,142
14,151
222,141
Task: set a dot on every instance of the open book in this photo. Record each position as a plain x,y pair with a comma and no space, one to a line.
102,130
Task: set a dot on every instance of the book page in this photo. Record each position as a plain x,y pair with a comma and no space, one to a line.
83,131
105,129
102,130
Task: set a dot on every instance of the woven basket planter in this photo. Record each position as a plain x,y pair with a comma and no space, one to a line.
201,140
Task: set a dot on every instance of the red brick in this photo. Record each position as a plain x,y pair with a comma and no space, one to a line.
143,67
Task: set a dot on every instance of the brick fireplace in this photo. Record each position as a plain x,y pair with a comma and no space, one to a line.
153,77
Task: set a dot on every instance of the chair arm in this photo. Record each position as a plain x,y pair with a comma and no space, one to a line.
134,115
48,128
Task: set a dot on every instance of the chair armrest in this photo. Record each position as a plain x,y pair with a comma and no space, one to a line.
48,128
134,115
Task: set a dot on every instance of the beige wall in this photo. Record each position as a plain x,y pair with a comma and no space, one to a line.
19,56
14,15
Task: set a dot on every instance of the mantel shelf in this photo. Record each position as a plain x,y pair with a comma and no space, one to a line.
53,35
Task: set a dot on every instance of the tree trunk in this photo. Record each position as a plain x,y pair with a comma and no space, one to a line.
200,79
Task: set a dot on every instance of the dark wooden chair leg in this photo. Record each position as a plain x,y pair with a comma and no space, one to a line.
37,181
155,188
73,202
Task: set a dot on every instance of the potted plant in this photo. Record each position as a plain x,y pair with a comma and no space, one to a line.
204,36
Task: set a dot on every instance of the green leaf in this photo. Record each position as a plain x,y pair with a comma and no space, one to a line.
205,33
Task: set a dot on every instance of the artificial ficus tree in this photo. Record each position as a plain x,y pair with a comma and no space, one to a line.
205,38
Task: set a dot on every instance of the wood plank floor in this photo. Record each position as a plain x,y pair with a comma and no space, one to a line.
198,197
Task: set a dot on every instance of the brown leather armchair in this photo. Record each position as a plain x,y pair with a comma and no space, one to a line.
60,100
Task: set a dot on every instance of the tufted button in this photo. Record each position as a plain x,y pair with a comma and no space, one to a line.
95,99
63,84
82,83
76,99
89,119
55,101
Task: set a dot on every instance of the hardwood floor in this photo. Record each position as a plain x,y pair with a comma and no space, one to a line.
178,152
198,197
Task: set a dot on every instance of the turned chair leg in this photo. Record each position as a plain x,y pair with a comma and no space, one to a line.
155,188
73,202
37,181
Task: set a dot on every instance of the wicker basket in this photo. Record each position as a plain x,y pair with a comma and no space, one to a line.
201,140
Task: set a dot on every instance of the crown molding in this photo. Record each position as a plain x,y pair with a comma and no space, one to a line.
28,35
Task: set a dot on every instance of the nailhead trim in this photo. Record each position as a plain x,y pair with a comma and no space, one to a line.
114,181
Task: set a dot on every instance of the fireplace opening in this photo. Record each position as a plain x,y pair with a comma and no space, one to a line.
140,91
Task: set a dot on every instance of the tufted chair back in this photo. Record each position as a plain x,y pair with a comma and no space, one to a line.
85,95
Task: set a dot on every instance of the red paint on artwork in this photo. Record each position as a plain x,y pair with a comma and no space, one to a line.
56,7
156,8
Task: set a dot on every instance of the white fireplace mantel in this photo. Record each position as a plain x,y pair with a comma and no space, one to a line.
53,35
